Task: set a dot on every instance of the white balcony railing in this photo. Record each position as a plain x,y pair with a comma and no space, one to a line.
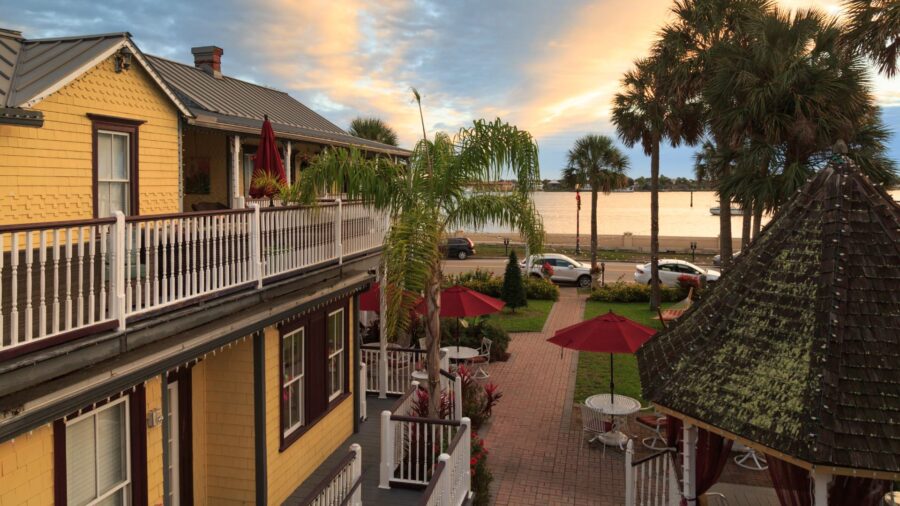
451,482
343,486
652,480
72,277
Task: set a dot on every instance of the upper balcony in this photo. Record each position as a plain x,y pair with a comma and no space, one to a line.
63,280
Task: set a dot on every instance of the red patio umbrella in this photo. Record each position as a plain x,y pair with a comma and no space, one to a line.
267,158
608,333
370,300
461,302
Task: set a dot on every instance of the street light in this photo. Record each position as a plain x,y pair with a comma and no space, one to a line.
577,220
693,249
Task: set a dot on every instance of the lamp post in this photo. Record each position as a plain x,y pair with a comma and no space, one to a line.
577,220
693,249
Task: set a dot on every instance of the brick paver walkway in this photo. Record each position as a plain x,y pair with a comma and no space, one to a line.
532,440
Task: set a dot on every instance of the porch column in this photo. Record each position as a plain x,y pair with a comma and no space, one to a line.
288,167
820,488
689,456
237,200
382,337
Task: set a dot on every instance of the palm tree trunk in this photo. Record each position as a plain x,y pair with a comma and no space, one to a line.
654,224
725,223
433,341
757,219
745,227
594,269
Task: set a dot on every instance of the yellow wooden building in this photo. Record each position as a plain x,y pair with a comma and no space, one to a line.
151,354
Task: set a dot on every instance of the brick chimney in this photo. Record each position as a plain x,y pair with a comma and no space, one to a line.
208,59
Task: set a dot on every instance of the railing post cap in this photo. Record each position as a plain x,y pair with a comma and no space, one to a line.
467,421
386,413
443,457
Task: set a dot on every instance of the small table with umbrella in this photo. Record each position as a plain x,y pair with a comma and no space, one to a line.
608,333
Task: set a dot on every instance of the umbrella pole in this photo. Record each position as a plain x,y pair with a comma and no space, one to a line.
612,386
457,334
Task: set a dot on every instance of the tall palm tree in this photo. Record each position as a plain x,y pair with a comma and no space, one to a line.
373,129
874,29
645,112
595,160
426,200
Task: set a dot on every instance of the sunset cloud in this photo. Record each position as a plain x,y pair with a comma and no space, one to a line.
551,68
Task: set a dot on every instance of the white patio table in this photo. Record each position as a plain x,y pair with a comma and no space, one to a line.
617,407
461,353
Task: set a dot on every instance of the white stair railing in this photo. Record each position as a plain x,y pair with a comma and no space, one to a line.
652,480
343,486
451,482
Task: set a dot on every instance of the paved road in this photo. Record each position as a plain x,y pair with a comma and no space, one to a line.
614,270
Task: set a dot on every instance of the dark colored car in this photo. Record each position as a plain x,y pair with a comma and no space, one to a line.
460,247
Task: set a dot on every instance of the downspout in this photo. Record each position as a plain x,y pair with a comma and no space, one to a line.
259,416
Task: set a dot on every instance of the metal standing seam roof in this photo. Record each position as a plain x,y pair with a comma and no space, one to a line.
10,47
797,348
233,102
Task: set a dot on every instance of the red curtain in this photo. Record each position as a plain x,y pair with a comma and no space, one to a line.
674,431
713,452
792,484
794,487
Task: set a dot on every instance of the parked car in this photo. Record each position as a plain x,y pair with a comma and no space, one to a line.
717,260
670,270
460,247
565,270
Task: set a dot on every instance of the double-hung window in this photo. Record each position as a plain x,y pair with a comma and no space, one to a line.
98,456
334,332
293,354
113,173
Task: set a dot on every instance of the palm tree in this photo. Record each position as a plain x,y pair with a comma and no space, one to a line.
645,112
428,198
874,30
373,129
595,160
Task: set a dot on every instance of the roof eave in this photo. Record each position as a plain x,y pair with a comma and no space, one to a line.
21,117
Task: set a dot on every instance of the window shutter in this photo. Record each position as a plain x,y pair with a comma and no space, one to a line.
316,361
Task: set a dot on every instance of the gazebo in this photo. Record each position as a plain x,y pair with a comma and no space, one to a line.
796,352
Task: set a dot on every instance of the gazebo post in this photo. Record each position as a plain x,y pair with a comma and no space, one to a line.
820,488
382,337
689,460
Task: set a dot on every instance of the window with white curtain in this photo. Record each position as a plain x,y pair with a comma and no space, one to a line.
334,332
97,456
292,356
113,173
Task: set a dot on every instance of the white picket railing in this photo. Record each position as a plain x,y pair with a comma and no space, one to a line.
652,480
59,278
401,362
343,486
451,482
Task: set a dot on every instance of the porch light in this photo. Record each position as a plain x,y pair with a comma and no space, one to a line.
123,60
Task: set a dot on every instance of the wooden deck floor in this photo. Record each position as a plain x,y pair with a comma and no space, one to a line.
368,439
743,495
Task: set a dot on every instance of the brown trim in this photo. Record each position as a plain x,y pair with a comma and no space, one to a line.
192,214
137,423
47,342
115,119
130,127
185,433
30,227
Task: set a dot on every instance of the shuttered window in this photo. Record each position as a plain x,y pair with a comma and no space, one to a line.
334,334
113,173
293,369
97,456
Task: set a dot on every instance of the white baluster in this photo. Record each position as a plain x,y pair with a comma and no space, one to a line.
68,319
182,261
149,271
56,267
104,261
1,290
42,304
92,271
14,291
80,296
164,264
29,258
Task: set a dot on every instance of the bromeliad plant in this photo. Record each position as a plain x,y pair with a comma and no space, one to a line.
439,190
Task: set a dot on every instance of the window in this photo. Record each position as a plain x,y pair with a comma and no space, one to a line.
248,170
98,455
563,263
668,268
115,159
334,333
113,174
292,357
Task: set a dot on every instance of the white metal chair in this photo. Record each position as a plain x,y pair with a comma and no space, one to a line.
750,459
656,423
483,358
593,424
423,343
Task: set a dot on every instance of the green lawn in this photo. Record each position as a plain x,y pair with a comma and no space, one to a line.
526,319
593,368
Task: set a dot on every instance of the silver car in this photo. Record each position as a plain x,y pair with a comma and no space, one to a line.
670,270
565,269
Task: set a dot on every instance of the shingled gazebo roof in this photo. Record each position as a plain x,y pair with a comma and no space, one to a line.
798,347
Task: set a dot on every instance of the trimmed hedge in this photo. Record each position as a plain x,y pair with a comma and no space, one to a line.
634,292
492,286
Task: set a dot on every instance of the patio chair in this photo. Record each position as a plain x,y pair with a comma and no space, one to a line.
677,309
655,423
423,343
750,459
594,424
483,358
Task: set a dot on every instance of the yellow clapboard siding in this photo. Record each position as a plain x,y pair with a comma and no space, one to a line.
26,468
50,168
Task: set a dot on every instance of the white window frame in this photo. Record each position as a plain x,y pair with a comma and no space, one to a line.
337,355
299,379
127,181
125,485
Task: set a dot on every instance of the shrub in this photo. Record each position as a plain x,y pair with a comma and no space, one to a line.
477,401
471,336
513,290
633,292
541,289
481,475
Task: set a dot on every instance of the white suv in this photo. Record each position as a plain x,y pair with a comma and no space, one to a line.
670,270
565,270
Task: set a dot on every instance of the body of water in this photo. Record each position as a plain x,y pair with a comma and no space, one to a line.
618,213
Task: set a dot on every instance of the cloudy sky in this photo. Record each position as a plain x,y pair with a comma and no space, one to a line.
550,67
